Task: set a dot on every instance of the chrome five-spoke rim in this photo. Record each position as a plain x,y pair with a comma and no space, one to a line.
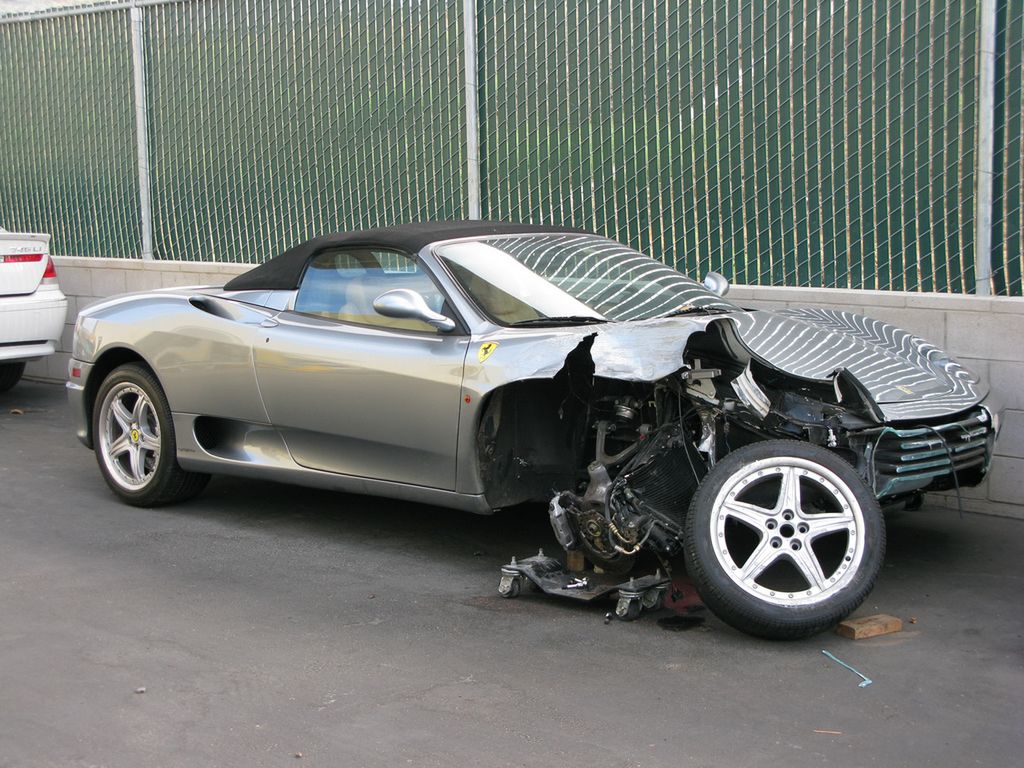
129,436
788,531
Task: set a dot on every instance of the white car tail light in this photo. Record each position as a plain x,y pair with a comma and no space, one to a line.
20,258
50,273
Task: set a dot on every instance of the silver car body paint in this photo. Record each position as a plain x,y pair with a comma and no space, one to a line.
909,378
390,413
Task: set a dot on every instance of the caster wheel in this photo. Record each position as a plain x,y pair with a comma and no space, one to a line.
510,586
653,599
627,609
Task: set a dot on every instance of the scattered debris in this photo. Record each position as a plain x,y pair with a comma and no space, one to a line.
829,733
370,596
913,620
866,680
869,626
637,594
297,754
17,412
140,690
479,553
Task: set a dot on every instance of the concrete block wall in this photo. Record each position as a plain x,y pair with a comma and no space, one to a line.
87,280
986,334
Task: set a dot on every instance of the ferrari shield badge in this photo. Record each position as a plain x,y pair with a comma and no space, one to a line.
486,350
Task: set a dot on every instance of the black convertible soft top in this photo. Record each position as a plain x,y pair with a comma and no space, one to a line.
285,271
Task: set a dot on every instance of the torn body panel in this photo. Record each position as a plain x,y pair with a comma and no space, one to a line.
546,385
908,377
740,376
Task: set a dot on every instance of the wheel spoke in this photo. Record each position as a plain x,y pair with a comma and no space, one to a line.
148,438
138,463
789,490
749,514
122,415
119,446
807,563
150,443
763,556
822,525
139,411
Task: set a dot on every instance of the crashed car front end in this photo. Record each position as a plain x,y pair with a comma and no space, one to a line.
909,418
761,445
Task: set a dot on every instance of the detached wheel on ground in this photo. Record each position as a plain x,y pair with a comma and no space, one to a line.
783,539
10,374
133,437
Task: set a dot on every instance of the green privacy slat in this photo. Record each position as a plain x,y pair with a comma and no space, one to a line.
798,143
793,142
271,122
67,133
1008,201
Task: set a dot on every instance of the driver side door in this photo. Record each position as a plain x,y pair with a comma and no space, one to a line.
357,393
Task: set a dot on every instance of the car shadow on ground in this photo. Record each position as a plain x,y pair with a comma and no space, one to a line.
293,510
922,545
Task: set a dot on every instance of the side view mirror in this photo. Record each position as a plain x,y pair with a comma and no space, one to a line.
716,283
409,305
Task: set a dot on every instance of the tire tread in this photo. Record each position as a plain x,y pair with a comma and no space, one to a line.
10,374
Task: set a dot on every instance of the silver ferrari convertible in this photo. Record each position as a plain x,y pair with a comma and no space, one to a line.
481,365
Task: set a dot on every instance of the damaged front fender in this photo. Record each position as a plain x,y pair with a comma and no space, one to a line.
514,364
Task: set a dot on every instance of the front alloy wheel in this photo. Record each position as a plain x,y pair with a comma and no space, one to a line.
133,437
783,539
129,436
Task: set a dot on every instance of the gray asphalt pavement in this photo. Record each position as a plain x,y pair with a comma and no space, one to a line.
266,621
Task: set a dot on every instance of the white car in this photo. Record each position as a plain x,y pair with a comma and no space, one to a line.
32,306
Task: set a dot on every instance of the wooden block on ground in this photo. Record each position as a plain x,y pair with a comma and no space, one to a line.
869,626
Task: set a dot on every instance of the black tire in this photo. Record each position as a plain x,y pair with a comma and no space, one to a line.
10,374
133,438
752,557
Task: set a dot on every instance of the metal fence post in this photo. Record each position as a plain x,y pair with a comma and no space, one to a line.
472,111
986,139
142,131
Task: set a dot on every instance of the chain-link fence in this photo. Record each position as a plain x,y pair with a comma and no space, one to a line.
779,143
785,143
272,122
67,133
1008,202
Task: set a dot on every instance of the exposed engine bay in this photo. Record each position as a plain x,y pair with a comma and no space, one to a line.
621,463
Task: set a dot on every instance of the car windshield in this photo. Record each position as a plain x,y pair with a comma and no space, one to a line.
570,278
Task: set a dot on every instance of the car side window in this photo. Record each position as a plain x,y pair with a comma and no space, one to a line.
342,285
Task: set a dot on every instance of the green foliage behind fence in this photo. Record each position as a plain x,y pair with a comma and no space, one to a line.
785,143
